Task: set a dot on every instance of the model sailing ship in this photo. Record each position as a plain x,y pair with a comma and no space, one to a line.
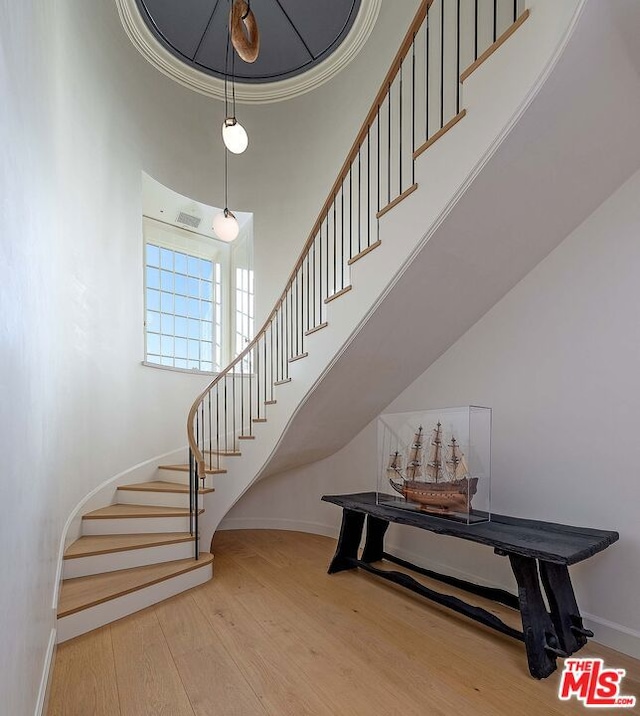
447,486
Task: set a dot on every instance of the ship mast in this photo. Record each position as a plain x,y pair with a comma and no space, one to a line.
414,458
434,466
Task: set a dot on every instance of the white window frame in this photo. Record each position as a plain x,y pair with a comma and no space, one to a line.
176,239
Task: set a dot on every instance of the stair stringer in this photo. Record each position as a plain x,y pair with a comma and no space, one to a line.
495,96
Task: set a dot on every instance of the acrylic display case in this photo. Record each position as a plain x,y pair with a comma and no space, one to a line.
437,462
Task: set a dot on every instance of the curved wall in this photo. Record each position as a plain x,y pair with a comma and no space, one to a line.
82,116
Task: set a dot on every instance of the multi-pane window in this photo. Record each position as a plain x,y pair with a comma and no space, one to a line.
183,310
244,310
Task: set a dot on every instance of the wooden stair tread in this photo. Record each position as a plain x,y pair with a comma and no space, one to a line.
225,453
84,592
125,511
185,468
91,545
159,486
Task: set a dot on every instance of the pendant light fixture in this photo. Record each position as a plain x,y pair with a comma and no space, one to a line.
225,223
234,135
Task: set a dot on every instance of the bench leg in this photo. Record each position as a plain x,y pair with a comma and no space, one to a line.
348,542
565,614
374,543
539,635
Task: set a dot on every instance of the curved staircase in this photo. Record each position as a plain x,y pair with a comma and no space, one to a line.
417,153
132,554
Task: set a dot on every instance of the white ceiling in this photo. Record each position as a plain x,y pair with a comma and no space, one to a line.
161,203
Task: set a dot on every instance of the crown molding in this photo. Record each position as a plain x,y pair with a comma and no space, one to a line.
154,52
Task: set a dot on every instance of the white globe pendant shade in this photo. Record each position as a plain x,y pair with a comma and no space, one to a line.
226,226
234,136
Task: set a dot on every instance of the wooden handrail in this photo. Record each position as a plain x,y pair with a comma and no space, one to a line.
344,171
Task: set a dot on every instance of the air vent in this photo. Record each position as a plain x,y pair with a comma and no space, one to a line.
189,220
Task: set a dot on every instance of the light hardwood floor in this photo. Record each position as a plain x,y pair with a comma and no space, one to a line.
272,633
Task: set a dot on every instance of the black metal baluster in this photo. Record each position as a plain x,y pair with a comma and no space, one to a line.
308,288
271,347
495,20
265,369
442,65
400,132
413,108
217,429
257,374
287,324
233,402
277,344
250,371
295,322
327,257
368,186
342,233
389,146
242,397
458,59
335,248
210,447
515,10
476,15
315,323
359,200
191,480
351,207
202,447
226,416
378,158
196,527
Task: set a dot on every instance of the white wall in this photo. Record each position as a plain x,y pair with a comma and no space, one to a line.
82,116
557,360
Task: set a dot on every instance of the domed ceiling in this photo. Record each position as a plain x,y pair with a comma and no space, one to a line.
295,35
303,43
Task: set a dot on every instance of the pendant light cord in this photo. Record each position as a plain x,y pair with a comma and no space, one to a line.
233,73
226,180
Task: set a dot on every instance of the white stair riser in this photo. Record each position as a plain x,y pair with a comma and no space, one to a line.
155,499
182,478
135,525
94,617
99,563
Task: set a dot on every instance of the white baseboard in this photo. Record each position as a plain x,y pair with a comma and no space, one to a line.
615,636
47,674
269,523
610,634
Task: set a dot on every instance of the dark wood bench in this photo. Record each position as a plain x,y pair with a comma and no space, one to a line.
540,554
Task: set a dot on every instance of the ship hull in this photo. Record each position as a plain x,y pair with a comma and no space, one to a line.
440,498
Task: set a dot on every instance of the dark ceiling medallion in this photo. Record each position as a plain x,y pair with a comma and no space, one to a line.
295,35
